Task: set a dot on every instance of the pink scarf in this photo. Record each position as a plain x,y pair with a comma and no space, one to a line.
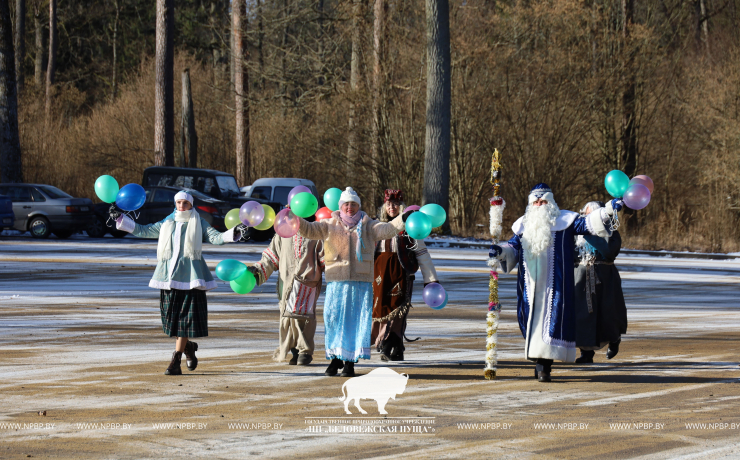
351,221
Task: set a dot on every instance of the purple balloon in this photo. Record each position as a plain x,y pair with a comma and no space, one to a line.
296,191
434,295
413,207
286,223
251,214
444,304
637,196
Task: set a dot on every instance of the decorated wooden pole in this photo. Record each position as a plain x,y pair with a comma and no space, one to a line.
494,306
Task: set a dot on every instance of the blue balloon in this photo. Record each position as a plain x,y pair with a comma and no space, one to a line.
131,197
444,304
434,295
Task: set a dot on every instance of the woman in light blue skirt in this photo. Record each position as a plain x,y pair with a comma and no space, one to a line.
349,247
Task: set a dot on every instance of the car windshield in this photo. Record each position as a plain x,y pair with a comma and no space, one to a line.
53,192
281,195
227,185
199,195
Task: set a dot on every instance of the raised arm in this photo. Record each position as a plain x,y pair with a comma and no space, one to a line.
213,236
127,224
425,262
385,230
313,230
598,222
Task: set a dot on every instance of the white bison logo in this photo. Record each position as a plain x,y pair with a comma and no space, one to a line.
380,384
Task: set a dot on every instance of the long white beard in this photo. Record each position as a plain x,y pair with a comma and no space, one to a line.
537,235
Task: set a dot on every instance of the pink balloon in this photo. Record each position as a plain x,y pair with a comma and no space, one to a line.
637,196
286,223
644,180
413,207
296,191
251,214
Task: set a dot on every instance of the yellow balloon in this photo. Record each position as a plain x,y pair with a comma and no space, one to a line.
232,219
269,219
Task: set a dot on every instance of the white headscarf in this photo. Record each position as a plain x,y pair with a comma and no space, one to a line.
193,234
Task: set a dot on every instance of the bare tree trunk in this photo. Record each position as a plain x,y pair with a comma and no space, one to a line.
704,25
114,83
52,65
10,148
188,136
378,45
20,41
164,123
242,93
354,79
38,74
260,44
438,114
629,111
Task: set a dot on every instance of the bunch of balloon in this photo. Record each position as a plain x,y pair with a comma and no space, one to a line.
241,280
635,193
435,296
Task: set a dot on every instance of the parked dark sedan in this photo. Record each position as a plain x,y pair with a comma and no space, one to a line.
44,209
160,202
7,217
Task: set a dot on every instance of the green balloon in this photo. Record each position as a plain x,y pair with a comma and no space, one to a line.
418,225
106,187
331,199
616,183
436,214
304,205
244,284
230,269
268,220
231,219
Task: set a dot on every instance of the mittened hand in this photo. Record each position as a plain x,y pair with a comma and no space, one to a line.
495,251
114,212
406,215
241,230
614,206
257,274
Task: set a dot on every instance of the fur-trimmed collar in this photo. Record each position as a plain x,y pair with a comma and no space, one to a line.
563,221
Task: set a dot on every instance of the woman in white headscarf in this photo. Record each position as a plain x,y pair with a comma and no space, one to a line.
349,238
182,275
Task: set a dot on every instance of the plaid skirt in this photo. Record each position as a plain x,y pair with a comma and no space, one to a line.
184,313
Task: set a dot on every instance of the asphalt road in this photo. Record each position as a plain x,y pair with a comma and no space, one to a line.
81,338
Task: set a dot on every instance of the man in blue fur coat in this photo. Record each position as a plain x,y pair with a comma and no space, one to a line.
543,246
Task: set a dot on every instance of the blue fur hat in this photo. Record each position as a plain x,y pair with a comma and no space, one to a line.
541,191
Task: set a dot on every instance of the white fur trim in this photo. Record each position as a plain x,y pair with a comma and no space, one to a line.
496,219
547,196
595,223
203,285
563,221
228,235
127,224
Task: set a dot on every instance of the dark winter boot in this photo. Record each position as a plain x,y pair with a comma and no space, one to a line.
398,348
613,349
544,367
304,359
385,352
334,366
587,357
174,367
190,359
349,369
294,360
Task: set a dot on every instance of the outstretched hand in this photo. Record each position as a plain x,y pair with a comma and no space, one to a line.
242,230
614,206
406,215
114,212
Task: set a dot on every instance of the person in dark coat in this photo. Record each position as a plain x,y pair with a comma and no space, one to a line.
601,314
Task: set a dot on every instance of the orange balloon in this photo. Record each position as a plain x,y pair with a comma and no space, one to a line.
323,213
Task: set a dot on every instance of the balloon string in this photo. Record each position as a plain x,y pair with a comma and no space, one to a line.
614,221
414,246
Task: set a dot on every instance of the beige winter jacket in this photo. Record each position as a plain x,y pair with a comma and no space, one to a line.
340,243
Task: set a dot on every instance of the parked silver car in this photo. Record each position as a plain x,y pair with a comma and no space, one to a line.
44,209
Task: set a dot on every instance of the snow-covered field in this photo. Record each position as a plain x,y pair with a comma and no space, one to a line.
81,338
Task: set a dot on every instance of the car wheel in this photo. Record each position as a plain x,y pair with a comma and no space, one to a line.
96,229
118,233
63,235
39,227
